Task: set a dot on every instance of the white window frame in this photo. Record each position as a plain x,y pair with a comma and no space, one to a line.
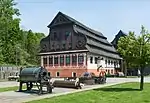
73,73
56,74
92,59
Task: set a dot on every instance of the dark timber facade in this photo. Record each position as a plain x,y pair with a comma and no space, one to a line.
72,48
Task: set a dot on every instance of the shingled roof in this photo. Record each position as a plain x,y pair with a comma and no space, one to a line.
80,24
98,45
96,42
117,37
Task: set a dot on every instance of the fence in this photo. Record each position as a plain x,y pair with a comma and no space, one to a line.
6,71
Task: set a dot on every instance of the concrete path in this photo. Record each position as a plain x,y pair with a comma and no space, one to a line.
8,84
109,80
19,97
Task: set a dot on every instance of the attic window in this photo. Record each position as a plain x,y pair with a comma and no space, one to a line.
55,36
64,45
60,19
67,34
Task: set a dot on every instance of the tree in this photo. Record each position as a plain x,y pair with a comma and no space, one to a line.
125,47
17,46
136,51
9,29
32,45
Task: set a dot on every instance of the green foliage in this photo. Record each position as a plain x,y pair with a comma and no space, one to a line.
16,46
136,51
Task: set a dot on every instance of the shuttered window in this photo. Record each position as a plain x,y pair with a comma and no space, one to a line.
74,59
55,60
62,60
50,60
45,60
80,59
67,60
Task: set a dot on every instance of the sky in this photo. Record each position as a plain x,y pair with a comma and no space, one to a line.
105,16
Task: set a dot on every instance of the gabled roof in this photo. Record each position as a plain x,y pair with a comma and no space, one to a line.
96,42
117,37
78,23
98,45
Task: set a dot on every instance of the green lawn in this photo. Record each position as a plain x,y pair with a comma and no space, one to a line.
15,88
123,93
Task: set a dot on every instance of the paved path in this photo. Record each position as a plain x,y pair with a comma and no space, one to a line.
8,84
109,80
18,97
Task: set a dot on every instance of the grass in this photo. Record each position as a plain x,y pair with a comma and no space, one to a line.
14,88
123,93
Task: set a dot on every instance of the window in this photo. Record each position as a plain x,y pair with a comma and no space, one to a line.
91,59
67,60
55,36
74,74
95,60
67,34
52,36
49,73
108,71
105,61
80,59
45,60
60,36
60,19
69,46
108,62
114,63
62,60
111,62
55,60
64,45
57,74
112,71
50,60
74,59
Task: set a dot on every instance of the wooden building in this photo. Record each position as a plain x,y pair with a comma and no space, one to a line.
72,48
117,37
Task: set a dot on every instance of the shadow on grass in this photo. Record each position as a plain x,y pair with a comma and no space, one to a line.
33,91
116,89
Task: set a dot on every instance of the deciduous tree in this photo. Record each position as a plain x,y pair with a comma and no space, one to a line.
136,51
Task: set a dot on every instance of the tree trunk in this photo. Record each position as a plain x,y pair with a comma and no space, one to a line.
122,70
125,68
142,78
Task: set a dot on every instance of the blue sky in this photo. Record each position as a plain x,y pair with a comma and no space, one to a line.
106,16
